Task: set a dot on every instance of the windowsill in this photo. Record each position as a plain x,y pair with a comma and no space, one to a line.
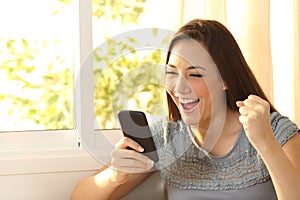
51,161
52,152
38,140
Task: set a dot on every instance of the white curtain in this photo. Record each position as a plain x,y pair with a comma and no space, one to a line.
268,34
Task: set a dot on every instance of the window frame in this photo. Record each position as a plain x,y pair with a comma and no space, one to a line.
32,152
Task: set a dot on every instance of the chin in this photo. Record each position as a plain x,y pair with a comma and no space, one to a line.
191,119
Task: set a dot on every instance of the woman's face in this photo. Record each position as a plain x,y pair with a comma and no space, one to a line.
194,83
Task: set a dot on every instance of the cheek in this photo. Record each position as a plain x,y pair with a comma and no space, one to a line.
200,88
210,87
170,82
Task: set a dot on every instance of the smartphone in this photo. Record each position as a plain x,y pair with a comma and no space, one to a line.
134,125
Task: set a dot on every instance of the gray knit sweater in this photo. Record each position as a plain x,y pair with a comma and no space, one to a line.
192,173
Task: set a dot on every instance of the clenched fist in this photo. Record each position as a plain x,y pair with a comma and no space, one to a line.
255,118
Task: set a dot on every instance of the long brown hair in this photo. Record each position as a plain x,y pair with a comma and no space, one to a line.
226,54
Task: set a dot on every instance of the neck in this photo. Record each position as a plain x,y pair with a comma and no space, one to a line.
209,131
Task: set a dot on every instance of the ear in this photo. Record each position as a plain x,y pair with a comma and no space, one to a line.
225,87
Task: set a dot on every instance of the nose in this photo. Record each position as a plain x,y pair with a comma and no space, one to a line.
181,86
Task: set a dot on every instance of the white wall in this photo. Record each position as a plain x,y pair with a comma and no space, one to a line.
48,186
58,186
52,176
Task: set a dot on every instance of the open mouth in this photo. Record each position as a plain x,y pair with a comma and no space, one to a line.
188,105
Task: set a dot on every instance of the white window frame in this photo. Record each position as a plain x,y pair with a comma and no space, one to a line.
31,152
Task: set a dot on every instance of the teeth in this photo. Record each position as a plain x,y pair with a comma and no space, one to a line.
184,101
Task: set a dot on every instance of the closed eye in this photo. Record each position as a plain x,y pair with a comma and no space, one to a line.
196,75
171,73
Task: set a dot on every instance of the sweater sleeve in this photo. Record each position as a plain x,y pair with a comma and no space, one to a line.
283,128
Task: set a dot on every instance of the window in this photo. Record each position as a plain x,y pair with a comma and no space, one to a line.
130,45
43,62
38,57
36,64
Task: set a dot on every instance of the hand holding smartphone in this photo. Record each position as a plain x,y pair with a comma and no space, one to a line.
134,125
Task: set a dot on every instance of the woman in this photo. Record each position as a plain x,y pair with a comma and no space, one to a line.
222,140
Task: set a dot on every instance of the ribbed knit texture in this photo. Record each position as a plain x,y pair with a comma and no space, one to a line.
186,166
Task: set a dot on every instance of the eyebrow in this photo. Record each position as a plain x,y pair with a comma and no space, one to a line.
189,68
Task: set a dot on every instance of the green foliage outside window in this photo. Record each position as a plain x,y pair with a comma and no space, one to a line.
47,101
136,76
51,104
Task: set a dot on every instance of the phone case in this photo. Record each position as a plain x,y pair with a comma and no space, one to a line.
134,125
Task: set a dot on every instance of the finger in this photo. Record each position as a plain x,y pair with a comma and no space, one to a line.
120,156
262,102
244,110
239,104
131,164
133,170
255,98
135,165
259,107
121,173
138,156
258,100
126,142
250,103
244,121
